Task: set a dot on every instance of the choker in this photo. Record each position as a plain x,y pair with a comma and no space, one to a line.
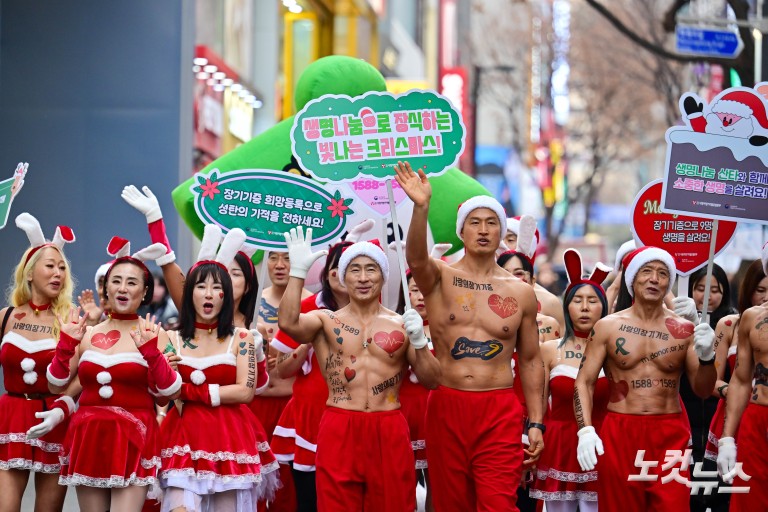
580,334
121,316
208,327
37,309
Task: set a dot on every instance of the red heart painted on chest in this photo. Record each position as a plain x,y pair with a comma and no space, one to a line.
658,229
502,306
679,329
389,341
349,374
19,316
618,390
105,341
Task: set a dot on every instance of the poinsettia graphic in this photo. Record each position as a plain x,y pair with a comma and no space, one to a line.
208,185
339,205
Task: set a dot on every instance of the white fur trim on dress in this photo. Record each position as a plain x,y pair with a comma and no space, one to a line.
646,255
213,391
472,204
363,249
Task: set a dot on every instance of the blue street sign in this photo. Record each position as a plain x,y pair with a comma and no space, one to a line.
707,42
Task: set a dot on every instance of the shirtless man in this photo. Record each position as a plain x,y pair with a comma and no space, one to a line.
549,304
644,351
750,421
479,314
364,456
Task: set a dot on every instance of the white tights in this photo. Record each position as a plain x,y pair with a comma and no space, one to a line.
571,506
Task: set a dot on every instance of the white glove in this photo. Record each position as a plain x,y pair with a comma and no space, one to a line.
686,308
589,443
50,420
258,343
726,458
704,341
146,204
300,251
414,328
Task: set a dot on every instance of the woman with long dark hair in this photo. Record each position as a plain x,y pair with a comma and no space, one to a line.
210,456
42,288
560,482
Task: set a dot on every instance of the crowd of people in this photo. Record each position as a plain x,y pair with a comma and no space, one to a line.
178,392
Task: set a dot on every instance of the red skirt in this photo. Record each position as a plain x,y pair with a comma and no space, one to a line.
715,431
110,447
208,450
17,415
413,405
295,437
750,451
558,475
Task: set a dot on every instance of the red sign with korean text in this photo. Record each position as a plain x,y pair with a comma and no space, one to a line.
686,238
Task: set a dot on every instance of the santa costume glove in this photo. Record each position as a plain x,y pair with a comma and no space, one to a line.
58,370
208,395
590,446
704,342
62,407
300,251
164,378
686,308
148,204
414,328
726,458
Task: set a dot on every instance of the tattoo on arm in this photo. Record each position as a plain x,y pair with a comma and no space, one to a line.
283,357
251,367
577,407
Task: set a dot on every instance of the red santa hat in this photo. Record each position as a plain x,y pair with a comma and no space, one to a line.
371,249
743,104
635,260
472,204
575,271
30,225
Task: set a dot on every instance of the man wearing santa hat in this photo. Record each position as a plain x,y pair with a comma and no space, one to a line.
479,315
747,412
364,456
644,350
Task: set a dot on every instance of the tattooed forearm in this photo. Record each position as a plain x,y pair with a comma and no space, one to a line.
577,409
283,357
251,383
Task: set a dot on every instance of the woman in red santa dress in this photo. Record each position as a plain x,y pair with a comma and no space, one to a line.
210,455
560,482
42,287
111,451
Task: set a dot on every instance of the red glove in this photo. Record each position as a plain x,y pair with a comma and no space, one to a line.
58,370
205,394
162,375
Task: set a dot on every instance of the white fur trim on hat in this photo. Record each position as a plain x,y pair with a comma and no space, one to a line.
101,272
731,107
626,248
646,255
363,249
513,225
472,204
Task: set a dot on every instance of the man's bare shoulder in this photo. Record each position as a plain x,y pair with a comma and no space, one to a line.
612,322
756,317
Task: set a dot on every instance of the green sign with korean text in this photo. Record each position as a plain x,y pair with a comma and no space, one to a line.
266,203
341,138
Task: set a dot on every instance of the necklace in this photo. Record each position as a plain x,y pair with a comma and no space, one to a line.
37,309
123,316
208,327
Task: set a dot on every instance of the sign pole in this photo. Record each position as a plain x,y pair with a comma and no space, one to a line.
682,286
708,279
398,245
262,278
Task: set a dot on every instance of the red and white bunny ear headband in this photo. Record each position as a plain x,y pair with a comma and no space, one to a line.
120,249
226,253
526,238
30,225
574,269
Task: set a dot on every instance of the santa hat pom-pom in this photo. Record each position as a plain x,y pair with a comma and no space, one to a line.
27,364
197,377
30,378
230,245
31,227
106,392
103,378
209,243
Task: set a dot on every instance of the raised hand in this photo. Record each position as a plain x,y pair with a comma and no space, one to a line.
300,251
416,186
146,330
88,304
686,308
146,203
73,325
